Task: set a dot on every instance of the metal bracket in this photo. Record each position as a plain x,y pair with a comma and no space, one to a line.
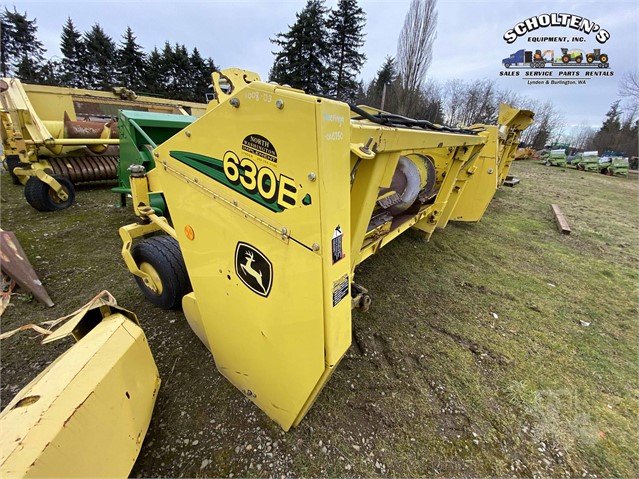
128,233
49,180
360,299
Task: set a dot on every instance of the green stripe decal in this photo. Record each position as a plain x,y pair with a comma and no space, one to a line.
214,168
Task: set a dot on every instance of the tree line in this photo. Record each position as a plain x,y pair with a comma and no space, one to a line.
619,131
321,53
95,61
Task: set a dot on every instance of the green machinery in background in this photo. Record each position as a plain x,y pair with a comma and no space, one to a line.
141,132
607,165
555,158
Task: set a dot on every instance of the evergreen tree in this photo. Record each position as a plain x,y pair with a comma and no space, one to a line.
346,38
101,58
360,96
611,136
170,72
628,135
304,51
428,107
131,62
385,79
166,65
182,85
612,124
74,62
201,75
387,73
23,53
175,66
154,76
51,73
8,48
209,68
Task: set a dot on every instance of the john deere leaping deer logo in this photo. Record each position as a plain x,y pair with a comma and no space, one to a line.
253,268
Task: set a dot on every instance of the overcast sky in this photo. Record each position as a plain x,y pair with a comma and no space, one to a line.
469,41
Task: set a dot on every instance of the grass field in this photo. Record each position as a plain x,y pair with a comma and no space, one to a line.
496,349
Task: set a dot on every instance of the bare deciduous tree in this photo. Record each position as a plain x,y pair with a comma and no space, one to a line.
629,86
547,127
582,136
469,103
415,50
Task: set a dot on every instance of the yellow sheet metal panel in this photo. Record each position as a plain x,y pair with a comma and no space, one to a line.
51,102
194,317
493,163
481,188
333,133
512,122
85,415
246,180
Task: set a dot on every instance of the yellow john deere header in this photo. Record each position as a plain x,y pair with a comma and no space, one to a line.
275,197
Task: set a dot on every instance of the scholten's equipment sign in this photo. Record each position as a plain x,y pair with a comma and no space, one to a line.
553,57
566,20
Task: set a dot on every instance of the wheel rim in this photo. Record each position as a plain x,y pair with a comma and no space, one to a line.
155,277
54,197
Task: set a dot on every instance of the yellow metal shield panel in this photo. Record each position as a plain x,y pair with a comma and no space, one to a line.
480,189
263,212
85,415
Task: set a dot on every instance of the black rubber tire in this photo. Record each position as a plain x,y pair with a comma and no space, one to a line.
11,162
43,198
565,59
164,255
603,58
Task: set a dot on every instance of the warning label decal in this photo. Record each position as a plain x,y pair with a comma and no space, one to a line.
337,246
340,289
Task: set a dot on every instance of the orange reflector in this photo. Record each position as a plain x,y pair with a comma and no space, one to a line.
188,231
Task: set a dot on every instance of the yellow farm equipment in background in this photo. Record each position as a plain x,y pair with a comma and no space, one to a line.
275,197
525,153
55,137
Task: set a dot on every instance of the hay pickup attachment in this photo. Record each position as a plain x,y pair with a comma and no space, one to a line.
56,137
275,197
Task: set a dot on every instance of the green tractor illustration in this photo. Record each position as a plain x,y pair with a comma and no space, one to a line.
575,55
